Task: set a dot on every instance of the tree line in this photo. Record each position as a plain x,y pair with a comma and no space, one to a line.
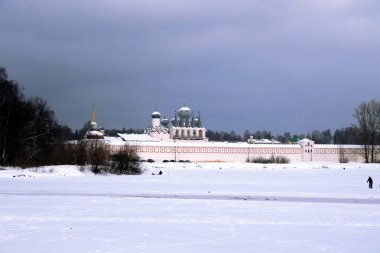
343,136
28,128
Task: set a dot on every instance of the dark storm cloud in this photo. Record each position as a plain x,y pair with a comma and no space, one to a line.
276,65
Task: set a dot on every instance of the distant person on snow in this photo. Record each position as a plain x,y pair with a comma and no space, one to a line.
370,182
160,173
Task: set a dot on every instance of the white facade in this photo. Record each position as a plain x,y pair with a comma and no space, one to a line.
188,134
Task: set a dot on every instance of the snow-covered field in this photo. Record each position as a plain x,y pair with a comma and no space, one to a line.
216,207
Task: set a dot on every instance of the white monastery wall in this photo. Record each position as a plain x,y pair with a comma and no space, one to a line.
214,152
230,152
331,153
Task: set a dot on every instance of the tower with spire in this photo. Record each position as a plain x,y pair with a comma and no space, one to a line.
93,133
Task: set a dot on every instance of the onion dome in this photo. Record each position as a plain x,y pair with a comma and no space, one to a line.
156,115
164,122
193,122
184,112
175,121
198,120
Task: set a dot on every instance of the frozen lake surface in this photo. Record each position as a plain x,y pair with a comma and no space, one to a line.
216,207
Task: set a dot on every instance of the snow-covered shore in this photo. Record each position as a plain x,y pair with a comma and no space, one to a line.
195,207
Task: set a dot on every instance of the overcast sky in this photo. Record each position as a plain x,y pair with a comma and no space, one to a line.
278,65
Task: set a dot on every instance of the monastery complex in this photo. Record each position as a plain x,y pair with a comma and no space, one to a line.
184,139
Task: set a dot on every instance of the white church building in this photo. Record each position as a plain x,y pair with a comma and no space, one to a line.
185,127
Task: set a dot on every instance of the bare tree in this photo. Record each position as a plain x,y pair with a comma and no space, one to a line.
368,117
97,155
126,161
